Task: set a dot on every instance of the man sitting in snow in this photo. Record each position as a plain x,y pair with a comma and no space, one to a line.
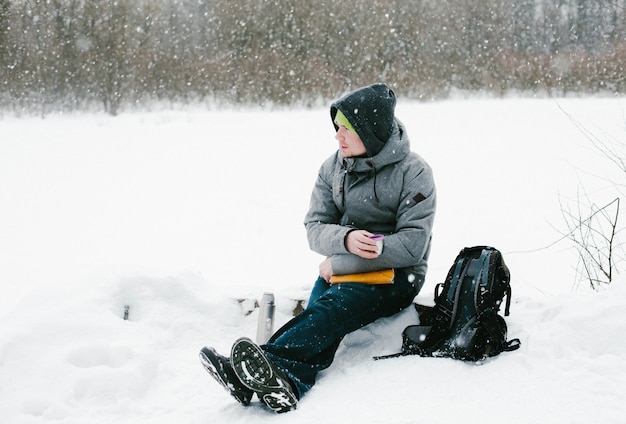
372,185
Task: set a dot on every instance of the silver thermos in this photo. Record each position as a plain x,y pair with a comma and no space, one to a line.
265,327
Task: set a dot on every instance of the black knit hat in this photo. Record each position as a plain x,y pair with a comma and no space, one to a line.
370,110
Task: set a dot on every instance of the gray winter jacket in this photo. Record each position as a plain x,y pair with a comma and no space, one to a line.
391,193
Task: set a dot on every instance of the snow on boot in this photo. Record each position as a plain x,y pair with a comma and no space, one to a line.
222,371
259,374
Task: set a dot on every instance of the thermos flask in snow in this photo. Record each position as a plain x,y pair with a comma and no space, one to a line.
265,327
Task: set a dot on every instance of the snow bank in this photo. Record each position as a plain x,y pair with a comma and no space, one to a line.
178,215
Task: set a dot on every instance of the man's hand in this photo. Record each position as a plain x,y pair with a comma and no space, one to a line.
359,243
326,269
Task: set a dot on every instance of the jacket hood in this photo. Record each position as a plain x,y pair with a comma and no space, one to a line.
394,151
370,110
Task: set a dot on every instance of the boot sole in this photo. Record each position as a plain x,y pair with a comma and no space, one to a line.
258,374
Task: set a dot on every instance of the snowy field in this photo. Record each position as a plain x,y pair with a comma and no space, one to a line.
180,213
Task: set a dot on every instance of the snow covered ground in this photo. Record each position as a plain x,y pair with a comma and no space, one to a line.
180,213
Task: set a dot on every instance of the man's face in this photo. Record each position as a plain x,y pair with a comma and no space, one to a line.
350,143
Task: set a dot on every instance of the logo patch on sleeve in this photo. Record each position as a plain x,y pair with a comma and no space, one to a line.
419,197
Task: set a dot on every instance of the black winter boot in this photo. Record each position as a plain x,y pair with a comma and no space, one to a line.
222,371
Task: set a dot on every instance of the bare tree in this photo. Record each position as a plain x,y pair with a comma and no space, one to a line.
594,229
594,238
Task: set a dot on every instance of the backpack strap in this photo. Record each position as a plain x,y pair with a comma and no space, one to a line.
507,307
454,276
512,345
446,307
393,355
502,271
482,275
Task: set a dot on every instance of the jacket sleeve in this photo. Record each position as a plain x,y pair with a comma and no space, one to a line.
324,233
408,246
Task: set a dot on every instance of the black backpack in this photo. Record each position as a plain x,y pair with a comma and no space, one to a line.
464,323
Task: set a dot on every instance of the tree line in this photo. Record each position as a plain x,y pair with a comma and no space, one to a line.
115,54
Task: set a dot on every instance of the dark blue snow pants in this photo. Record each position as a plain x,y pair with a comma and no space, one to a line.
307,343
